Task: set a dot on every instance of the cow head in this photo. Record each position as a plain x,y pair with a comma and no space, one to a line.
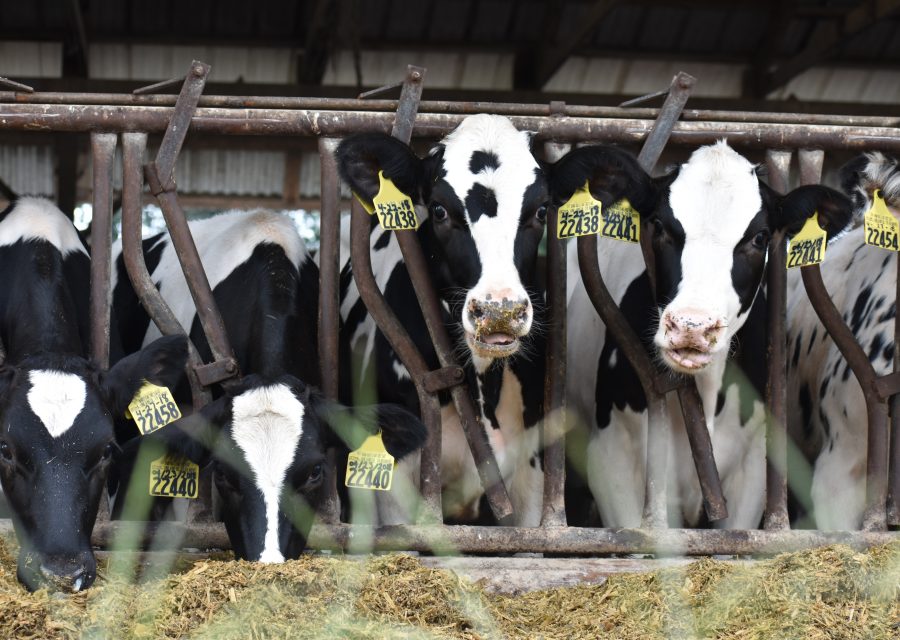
711,222
267,441
485,197
56,444
870,172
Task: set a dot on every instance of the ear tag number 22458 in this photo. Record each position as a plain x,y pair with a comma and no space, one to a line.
882,228
395,209
152,408
584,215
808,245
174,478
370,466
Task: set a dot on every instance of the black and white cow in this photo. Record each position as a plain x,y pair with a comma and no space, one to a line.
481,197
828,411
711,221
266,437
56,407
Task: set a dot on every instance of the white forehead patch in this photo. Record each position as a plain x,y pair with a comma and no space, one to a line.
716,195
267,423
40,219
56,398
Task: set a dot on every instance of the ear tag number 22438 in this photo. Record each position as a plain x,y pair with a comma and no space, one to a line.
152,408
395,209
583,215
172,477
808,245
882,228
370,466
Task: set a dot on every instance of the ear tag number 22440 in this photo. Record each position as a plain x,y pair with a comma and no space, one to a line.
583,215
395,209
370,466
152,408
174,478
808,245
882,228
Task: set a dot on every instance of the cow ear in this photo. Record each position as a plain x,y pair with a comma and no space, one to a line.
402,432
612,174
161,363
834,209
362,156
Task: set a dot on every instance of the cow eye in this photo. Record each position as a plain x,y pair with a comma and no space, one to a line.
439,213
541,214
107,452
315,474
6,451
761,240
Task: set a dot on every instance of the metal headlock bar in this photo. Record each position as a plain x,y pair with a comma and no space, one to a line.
137,115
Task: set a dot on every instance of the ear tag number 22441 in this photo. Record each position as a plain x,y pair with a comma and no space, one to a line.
882,228
395,209
808,245
583,215
174,478
152,408
370,466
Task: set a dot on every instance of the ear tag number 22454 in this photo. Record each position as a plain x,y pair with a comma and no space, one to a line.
584,215
395,209
152,408
808,245
370,466
882,228
174,478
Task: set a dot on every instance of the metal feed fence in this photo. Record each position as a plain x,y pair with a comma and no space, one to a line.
108,116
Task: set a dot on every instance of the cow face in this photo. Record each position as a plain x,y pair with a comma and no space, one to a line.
267,441
56,443
485,197
865,174
711,222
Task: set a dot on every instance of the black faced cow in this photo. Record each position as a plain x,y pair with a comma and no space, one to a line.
828,410
482,199
266,437
711,222
56,407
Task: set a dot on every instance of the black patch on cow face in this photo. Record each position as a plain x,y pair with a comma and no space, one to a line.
481,201
532,222
482,160
750,258
668,245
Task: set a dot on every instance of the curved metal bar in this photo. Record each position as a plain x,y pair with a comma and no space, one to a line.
133,147
776,514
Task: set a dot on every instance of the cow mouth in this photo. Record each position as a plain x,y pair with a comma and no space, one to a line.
493,345
686,359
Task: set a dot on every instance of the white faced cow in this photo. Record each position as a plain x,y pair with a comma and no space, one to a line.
482,199
56,407
266,437
711,222
828,411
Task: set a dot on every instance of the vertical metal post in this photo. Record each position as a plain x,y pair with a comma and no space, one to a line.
329,301
776,514
554,511
103,148
893,499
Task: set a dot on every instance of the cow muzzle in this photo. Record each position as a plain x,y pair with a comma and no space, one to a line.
65,573
688,339
494,328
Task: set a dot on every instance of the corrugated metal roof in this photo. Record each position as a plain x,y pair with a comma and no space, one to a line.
28,169
31,59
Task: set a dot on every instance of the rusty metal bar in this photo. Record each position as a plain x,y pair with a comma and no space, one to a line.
776,514
133,147
279,122
177,128
678,94
103,148
893,499
554,509
329,304
18,86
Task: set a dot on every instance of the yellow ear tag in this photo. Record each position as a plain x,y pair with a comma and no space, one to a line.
808,245
621,222
369,208
394,208
882,228
152,408
579,216
172,477
370,466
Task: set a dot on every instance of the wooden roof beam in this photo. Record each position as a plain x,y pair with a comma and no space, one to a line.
825,41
